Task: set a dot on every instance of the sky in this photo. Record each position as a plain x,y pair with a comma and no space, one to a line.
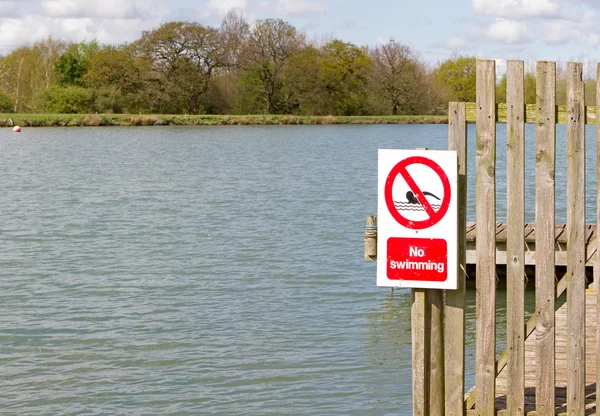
529,30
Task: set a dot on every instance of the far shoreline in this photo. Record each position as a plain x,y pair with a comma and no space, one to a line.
96,120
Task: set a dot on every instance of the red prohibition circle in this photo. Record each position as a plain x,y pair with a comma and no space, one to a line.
400,169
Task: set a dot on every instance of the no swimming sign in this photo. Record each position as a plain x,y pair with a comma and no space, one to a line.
417,219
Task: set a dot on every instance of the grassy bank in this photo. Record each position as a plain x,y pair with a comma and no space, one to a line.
65,120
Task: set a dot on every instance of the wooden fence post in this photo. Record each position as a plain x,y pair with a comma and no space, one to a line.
544,244
515,245
454,329
435,304
420,352
486,238
576,240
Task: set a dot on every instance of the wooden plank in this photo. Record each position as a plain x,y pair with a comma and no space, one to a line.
529,233
515,241
471,232
561,362
502,231
454,311
420,352
503,359
597,267
531,113
576,240
485,372
435,304
560,233
544,234
589,231
470,227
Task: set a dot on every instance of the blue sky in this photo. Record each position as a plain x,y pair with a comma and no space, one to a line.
529,30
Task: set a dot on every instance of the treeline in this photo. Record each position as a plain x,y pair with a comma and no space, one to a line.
263,67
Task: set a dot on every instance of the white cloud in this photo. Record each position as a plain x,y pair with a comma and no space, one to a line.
508,31
108,9
518,9
117,21
287,8
457,43
300,7
223,6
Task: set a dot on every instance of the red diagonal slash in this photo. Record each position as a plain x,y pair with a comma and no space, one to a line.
401,169
415,189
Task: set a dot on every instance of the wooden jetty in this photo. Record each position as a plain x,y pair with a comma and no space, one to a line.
560,244
561,371
552,361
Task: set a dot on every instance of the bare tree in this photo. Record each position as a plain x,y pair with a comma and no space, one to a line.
271,43
399,77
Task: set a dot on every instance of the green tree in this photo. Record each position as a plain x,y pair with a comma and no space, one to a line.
27,71
529,89
301,83
180,58
73,64
457,78
344,70
116,80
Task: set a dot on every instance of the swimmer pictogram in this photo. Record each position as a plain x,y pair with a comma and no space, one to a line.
417,199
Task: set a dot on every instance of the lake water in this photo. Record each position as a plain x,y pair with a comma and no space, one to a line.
209,270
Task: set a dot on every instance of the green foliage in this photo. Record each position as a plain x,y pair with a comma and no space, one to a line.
66,100
301,83
270,45
528,83
344,73
266,67
590,92
7,104
73,64
457,78
250,94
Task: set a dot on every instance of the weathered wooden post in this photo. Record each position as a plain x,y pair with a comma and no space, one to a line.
371,238
454,311
485,365
544,244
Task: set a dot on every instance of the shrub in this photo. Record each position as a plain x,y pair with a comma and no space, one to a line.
66,100
7,104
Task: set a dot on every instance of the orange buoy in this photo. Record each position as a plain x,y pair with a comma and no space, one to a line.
17,129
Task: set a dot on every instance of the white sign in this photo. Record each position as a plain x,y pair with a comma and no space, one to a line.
417,219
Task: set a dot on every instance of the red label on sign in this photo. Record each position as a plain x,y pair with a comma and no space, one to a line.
423,259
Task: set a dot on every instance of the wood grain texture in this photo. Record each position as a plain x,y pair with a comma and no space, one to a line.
435,304
515,239
544,234
485,371
370,252
561,364
420,352
576,240
454,309
531,113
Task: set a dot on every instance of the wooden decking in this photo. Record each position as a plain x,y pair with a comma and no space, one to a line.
560,236
561,364
560,323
